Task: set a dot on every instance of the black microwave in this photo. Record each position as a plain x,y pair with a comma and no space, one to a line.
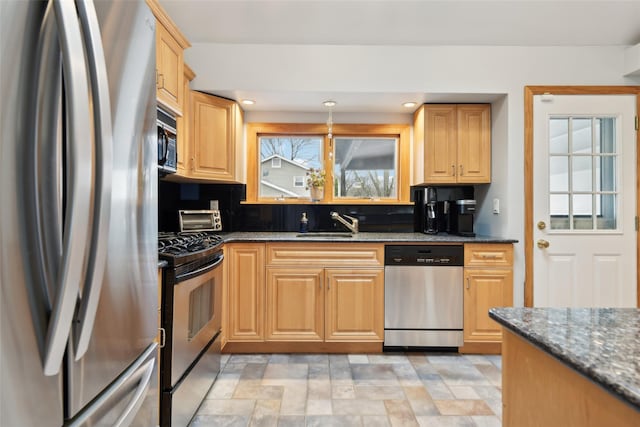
167,136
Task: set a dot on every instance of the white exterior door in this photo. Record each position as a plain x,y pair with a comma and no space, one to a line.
584,201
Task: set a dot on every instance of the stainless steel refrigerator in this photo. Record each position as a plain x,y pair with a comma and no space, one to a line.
78,222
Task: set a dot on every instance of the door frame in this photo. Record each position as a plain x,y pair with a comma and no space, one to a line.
529,92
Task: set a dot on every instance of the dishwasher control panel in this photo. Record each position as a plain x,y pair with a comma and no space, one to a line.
424,255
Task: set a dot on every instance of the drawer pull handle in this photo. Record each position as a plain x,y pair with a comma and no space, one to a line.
490,256
468,284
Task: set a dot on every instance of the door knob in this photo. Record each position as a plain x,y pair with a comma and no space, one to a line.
543,244
541,225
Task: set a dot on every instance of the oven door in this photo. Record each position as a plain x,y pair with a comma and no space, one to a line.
197,306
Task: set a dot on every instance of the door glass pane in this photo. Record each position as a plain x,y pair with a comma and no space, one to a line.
283,160
559,173
607,212
581,173
581,135
605,135
605,173
558,135
583,187
558,208
582,212
365,167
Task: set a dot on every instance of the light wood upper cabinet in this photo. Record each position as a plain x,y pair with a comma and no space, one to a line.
245,288
170,46
452,144
183,128
215,138
488,282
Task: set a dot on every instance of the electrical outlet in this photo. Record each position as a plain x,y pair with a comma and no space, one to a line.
496,206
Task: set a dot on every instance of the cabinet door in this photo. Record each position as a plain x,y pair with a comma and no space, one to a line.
169,62
212,137
354,308
440,139
183,127
474,143
484,289
245,275
295,304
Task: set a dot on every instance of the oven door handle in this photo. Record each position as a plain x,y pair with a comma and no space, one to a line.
200,271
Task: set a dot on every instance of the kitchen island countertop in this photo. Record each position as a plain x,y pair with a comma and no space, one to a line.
361,237
602,344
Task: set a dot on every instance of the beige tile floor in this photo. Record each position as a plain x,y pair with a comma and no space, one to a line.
390,389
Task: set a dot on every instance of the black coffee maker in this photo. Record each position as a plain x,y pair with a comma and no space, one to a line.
462,217
430,210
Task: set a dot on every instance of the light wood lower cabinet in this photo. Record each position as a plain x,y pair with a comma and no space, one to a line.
354,307
333,304
295,304
488,282
326,304
244,265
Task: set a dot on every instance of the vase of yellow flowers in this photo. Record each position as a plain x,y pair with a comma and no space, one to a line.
315,183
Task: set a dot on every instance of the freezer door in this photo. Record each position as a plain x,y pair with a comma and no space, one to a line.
128,401
126,320
27,396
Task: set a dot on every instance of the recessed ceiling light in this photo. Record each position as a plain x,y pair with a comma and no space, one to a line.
329,103
409,104
248,101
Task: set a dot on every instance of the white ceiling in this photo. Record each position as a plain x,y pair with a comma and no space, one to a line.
398,23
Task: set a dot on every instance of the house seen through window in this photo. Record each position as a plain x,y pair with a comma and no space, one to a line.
284,163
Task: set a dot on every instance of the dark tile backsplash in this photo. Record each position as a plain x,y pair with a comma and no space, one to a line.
278,217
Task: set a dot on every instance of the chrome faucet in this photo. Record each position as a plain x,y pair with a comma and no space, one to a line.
353,226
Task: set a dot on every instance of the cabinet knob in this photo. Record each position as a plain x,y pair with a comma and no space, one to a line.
453,170
543,244
461,170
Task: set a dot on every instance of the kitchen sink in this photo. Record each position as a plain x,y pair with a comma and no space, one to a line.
325,234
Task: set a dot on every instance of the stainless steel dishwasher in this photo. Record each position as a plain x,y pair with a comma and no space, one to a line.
423,290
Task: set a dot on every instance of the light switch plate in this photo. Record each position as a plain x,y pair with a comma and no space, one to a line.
496,206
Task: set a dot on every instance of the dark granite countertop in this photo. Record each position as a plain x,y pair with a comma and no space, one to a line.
366,237
601,343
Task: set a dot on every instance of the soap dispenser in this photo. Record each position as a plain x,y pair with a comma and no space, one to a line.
304,223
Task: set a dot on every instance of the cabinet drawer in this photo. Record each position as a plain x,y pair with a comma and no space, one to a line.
494,255
325,254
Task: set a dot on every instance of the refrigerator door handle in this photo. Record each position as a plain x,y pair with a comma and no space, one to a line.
139,371
129,413
102,184
78,191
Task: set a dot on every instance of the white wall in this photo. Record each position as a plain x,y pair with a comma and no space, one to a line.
426,69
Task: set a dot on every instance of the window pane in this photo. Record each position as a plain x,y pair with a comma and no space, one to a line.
284,162
605,135
365,167
581,173
558,135
607,217
559,173
581,135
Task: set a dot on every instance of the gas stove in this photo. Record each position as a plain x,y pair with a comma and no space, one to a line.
183,247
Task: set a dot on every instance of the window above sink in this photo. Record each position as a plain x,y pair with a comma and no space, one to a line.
364,164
